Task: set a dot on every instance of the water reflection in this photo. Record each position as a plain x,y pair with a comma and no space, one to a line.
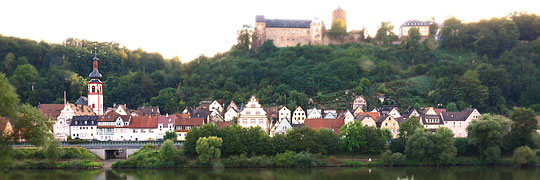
417,173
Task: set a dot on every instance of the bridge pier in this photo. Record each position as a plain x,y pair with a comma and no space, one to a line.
99,152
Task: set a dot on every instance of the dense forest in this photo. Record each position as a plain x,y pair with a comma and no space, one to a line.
492,65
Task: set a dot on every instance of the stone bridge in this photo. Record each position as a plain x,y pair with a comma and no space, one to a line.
110,149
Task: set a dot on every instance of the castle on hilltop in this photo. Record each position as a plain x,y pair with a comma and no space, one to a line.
290,32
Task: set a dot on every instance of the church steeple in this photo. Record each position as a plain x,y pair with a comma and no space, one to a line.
95,73
95,88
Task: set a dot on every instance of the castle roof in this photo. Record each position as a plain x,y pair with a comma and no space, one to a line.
51,110
284,23
415,23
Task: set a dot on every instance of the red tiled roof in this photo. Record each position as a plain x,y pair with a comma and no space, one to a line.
222,124
189,122
165,119
51,110
438,111
332,124
538,119
4,121
143,122
373,115
110,116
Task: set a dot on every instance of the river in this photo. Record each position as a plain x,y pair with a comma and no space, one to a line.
375,173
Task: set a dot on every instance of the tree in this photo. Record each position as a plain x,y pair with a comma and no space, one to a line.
8,98
523,124
413,39
53,150
208,148
451,107
9,63
470,89
357,138
487,132
409,126
166,100
431,148
23,79
304,138
168,152
385,34
170,135
452,34
329,141
524,156
243,41
338,30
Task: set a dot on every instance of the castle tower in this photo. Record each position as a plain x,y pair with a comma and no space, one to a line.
317,31
95,89
260,31
339,14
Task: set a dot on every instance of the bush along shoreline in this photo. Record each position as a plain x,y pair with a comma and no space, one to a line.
357,145
50,157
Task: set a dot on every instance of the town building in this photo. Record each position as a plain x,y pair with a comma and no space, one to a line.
359,102
232,112
395,113
422,26
348,117
281,128
5,127
52,111
84,127
332,124
314,113
216,106
149,111
106,124
138,128
299,116
184,123
386,121
253,115
431,119
284,113
166,123
367,120
61,127
458,121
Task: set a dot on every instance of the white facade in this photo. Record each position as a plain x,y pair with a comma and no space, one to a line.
395,113
230,114
284,113
61,129
299,116
84,132
253,115
314,114
359,102
459,127
216,107
349,118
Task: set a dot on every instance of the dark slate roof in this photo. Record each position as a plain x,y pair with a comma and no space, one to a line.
259,18
79,121
297,125
457,116
423,117
149,110
95,74
201,113
82,101
288,23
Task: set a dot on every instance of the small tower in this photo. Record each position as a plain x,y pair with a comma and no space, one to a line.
95,89
260,31
339,14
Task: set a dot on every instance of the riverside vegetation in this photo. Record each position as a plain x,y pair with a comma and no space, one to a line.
234,146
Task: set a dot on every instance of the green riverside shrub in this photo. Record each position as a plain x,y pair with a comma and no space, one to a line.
524,156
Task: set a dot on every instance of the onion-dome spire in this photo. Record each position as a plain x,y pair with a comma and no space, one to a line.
95,73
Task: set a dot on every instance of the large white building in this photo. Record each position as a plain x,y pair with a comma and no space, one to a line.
284,113
84,127
299,116
253,115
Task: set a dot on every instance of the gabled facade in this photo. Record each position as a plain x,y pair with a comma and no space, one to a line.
107,123
299,116
388,122
231,114
281,128
184,123
284,113
166,123
395,113
216,106
431,119
5,127
359,102
314,113
84,127
330,115
458,121
61,128
253,115
357,111
367,120
348,117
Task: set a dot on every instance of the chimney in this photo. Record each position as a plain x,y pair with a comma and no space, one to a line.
167,115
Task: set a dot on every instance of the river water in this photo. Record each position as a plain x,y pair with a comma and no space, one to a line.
375,173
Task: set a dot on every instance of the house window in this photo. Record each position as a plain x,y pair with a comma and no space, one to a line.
261,121
248,113
257,112
252,121
244,121
93,88
252,105
188,127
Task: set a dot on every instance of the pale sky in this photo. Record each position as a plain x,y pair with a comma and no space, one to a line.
188,29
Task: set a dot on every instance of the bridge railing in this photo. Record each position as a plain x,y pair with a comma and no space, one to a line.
103,143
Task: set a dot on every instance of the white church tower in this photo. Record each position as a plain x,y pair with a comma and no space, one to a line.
95,89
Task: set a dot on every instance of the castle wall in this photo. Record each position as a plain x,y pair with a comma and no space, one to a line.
284,37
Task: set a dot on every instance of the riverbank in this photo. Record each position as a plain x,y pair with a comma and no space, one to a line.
72,158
